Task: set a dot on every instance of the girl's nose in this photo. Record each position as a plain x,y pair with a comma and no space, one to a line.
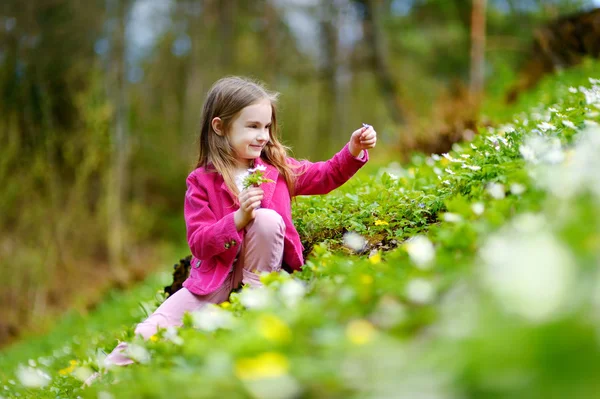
264,135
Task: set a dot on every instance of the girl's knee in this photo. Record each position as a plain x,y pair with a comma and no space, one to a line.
268,221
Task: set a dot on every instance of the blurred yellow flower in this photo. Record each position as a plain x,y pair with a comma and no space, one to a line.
226,304
70,369
360,332
265,365
154,338
375,259
274,329
381,223
366,279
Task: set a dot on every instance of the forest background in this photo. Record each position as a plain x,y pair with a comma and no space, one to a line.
100,100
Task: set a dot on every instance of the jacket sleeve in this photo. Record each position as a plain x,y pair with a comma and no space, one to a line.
206,235
323,177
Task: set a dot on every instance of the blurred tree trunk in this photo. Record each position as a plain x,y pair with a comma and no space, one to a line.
375,40
271,48
226,10
477,49
118,10
328,98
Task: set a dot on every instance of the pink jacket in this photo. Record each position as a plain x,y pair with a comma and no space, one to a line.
209,206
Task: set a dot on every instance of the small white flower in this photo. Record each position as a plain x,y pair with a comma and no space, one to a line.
435,157
32,377
496,190
420,250
507,129
517,188
446,182
211,317
589,123
448,170
255,298
471,167
437,171
473,146
354,241
552,109
568,123
452,217
172,335
449,158
465,155
419,290
545,126
260,168
573,89
478,208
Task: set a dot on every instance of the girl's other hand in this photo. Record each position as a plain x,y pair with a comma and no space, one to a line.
362,139
249,200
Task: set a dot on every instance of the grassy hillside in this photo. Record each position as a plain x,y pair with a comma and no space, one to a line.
473,274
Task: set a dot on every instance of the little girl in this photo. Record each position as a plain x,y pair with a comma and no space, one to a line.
236,233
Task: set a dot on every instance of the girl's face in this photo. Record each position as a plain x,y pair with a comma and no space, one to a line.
249,132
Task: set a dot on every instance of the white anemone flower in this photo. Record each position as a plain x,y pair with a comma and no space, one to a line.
568,123
545,126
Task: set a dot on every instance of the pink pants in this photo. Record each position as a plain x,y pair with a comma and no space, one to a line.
262,250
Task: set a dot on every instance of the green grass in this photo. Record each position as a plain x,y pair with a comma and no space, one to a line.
495,296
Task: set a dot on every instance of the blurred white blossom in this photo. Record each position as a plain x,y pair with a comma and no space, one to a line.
420,290
212,317
496,190
31,377
527,269
255,298
537,149
420,250
138,353
354,241
292,291
478,208
452,217
517,188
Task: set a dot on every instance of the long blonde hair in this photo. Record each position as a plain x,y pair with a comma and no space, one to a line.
225,100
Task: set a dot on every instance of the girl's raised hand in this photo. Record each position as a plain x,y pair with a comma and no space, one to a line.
362,139
249,200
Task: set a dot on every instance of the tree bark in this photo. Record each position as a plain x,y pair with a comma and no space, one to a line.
477,49
117,92
375,40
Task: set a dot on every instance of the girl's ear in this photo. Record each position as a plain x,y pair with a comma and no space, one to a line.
217,125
